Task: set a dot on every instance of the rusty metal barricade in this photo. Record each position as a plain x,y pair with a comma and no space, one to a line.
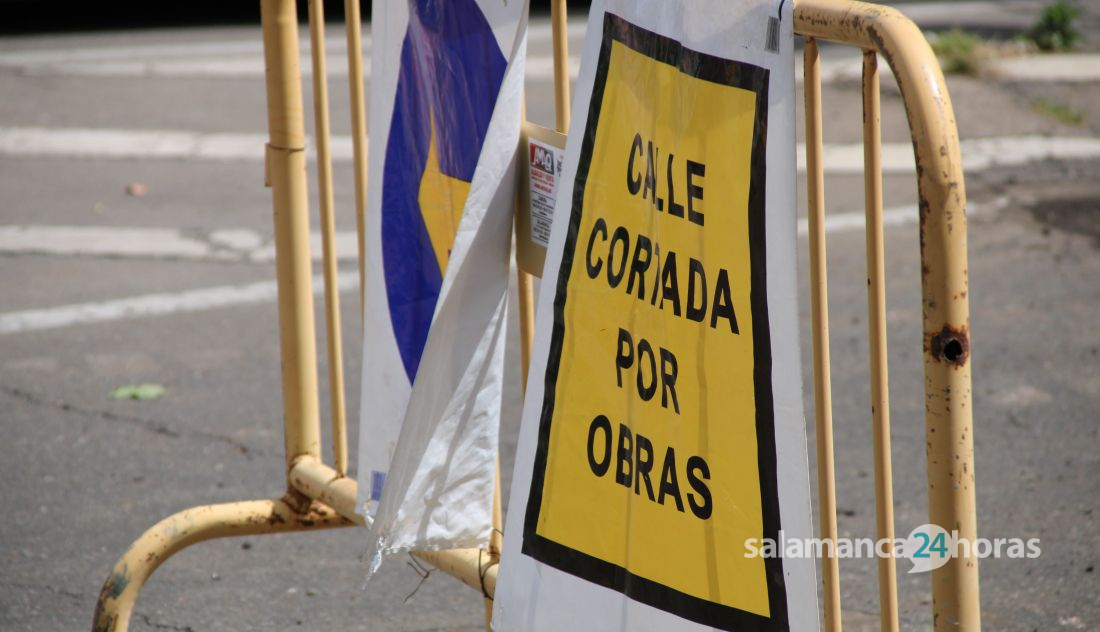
321,496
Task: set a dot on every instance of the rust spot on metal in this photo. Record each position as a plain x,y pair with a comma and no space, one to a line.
116,584
950,345
103,622
298,502
924,209
112,589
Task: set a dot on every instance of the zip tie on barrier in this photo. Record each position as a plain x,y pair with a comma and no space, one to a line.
268,148
484,570
288,150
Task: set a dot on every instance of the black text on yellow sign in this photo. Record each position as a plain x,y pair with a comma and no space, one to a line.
656,451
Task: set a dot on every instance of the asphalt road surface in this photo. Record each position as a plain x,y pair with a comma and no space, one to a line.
83,475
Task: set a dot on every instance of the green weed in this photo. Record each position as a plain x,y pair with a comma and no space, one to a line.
1054,30
958,51
1058,111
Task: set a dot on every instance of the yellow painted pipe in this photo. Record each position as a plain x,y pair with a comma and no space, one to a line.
328,237
819,306
286,166
559,28
876,323
353,22
322,483
198,524
474,567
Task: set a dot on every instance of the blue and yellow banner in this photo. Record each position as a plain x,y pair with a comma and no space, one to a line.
445,107
450,74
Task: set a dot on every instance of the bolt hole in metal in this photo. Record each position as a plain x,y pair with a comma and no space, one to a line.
951,345
953,351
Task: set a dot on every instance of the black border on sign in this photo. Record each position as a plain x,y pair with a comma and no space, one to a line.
734,74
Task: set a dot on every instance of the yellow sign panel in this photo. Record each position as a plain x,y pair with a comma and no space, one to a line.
656,454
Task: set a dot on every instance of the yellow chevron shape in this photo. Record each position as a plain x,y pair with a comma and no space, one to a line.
441,198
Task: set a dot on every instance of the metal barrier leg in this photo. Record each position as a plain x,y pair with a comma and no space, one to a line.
328,238
876,321
286,167
559,24
819,299
286,172
353,23
191,526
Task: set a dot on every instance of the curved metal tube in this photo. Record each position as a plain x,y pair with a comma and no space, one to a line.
191,526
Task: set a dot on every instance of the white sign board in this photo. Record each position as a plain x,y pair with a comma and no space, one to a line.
663,426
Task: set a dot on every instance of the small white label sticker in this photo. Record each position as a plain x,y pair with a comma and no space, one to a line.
545,169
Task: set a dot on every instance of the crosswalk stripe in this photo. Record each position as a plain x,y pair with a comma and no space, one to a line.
157,243
159,304
169,243
840,158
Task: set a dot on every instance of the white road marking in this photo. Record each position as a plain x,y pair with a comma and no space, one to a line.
1067,68
114,143
842,222
108,241
978,154
244,60
160,304
840,158
168,243
894,216
541,67
251,46
145,144
845,67
251,67
243,57
217,60
157,243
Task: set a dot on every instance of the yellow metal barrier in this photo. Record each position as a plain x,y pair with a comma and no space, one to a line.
946,311
321,496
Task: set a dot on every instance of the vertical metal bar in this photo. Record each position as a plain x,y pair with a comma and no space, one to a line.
876,315
948,420
496,542
358,132
559,26
949,410
286,166
819,300
526,322
328,237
